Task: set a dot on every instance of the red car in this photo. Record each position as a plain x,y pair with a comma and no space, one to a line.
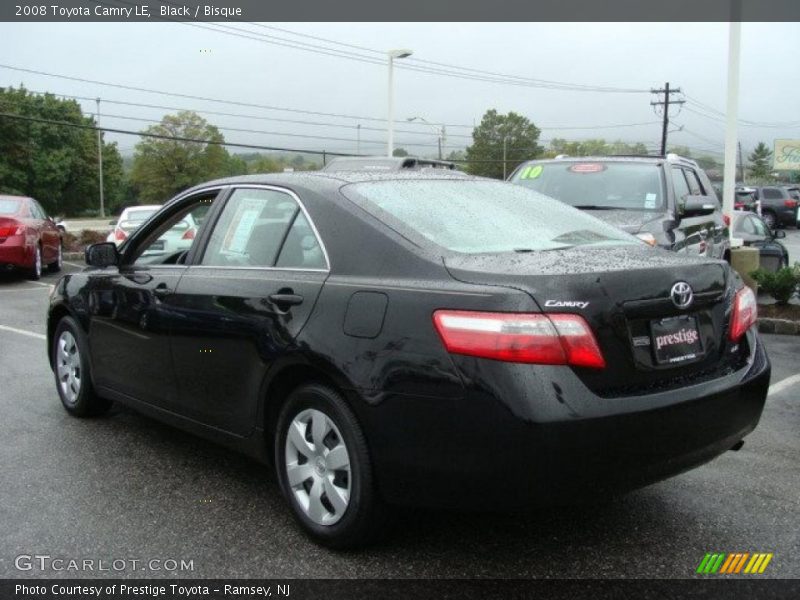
29,238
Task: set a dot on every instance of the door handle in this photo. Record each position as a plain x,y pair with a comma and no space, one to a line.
161,290
286,299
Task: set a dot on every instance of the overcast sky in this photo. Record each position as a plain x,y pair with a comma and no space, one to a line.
188,59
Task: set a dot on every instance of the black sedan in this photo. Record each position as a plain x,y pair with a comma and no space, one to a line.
753,231
414,339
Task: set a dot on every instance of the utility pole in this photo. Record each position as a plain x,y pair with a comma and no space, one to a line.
100,160
358,138
666,104
505,139
741,164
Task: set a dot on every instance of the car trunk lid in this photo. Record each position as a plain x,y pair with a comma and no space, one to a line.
625,293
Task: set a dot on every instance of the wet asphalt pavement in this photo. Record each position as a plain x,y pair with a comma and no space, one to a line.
124,487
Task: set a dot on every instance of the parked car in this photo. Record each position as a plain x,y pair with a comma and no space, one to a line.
753,231
745,199
778,206
385,163
129,221
415,339
665,201
29,239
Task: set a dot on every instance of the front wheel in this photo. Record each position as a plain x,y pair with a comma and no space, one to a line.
324,468
72,371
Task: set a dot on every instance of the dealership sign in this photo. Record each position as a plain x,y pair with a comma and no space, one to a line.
787,155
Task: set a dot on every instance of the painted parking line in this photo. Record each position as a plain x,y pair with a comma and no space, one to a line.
26,289
32,334
72,264
783,384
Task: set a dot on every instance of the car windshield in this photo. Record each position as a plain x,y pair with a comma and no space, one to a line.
596,184
9,207
140,215
476,217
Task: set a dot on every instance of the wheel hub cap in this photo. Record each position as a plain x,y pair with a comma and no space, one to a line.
68,366
317,467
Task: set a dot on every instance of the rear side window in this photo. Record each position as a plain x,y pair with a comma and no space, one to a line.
679,181
474,217
263,228
694,183
9,207
772,194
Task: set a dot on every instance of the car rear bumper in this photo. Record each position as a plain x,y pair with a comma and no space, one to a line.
15,254
461,454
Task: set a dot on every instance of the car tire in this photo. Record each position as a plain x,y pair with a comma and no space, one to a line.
327,482
72,371
770,219
55,267
35,272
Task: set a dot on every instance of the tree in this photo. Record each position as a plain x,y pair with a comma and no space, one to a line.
163,167
761,161
56,163
400,152
514,132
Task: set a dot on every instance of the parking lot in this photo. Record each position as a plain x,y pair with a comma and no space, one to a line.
126,487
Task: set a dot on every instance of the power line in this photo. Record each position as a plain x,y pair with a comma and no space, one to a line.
374,56
169,137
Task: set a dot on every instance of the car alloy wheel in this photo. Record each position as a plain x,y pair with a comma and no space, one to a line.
317,465
769,219
37,263
68,366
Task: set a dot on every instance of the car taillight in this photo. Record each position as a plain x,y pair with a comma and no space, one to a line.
189,235
744,315
790,203
553,339
12,230
727,220
120,235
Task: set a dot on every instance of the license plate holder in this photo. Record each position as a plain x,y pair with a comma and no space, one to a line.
676,340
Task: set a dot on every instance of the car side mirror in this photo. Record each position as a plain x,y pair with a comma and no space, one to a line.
779,234
696,206
103,254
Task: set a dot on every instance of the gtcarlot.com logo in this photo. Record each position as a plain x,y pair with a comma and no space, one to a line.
734,563
45,562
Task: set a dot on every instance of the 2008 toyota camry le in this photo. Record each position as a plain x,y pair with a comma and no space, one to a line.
438,340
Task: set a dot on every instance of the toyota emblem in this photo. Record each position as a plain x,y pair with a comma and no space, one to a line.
681,294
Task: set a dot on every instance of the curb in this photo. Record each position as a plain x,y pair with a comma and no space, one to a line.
73,255
781,326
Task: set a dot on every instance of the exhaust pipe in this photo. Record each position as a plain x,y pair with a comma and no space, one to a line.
737,446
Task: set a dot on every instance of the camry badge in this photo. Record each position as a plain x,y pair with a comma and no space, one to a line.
681,294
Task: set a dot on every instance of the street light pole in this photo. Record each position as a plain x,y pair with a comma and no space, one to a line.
100,160
392,54
732,116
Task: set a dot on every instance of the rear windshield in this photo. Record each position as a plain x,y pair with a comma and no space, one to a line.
9,207
596,184
475,217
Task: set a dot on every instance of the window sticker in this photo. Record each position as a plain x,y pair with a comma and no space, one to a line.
587,168
650,201
238,237
536,171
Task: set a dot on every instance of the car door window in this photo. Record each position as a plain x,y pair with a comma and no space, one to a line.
251,229
746,226
301,250
681,187
695,187
171,241
772,194
760,227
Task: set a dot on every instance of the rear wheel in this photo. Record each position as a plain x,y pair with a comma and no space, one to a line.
35,272
324,469
72,371
55,266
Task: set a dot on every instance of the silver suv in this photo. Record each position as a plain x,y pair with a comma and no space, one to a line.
664,200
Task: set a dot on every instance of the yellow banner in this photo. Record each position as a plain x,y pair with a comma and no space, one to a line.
787,155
